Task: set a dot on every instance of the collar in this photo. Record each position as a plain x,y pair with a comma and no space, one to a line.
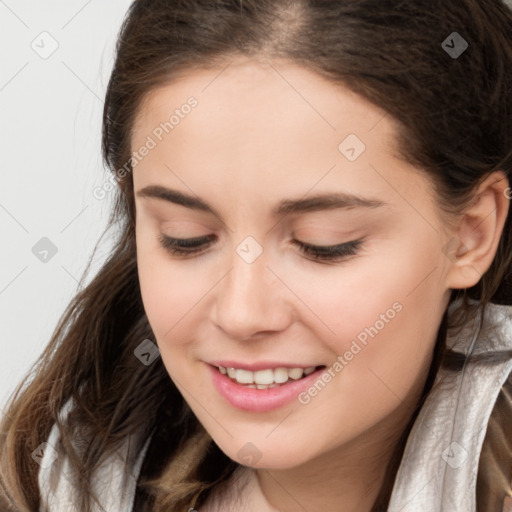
439,467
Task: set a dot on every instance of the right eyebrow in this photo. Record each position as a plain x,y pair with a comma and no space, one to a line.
176,197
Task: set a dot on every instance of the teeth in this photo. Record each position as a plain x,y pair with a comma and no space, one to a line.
295,373
243,377
281,375
263,379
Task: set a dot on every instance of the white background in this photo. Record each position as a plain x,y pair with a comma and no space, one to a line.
50,162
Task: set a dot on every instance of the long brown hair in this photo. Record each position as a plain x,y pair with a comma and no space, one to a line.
454,123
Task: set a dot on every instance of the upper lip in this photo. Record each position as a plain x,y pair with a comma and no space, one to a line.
261,365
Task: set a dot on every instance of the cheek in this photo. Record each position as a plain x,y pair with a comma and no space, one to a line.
384,333
379,313
169,296
168,293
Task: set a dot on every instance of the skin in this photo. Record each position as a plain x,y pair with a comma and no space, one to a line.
263,132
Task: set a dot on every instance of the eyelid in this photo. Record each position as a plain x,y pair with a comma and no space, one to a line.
331,253
190,247
185,242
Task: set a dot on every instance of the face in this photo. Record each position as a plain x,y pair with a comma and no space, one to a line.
273,162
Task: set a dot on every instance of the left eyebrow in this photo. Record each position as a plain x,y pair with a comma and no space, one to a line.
314,203
331,201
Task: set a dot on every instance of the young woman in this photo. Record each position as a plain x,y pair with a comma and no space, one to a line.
309,303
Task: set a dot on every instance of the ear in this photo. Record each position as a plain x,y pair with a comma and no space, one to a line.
475,240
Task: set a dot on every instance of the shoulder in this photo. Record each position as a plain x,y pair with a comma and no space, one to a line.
113,483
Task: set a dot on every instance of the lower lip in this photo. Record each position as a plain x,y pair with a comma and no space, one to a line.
260,400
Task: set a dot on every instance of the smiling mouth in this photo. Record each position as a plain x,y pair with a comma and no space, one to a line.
266,379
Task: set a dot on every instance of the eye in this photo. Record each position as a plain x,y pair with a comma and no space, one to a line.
185,246
331,252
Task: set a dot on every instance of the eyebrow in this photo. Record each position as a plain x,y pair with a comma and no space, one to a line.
329,201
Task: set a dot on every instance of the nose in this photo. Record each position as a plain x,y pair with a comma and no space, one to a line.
252,301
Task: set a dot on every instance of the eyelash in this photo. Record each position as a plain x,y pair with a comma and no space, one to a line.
183,247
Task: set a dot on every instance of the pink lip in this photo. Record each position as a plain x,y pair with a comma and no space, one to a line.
262,365
260,400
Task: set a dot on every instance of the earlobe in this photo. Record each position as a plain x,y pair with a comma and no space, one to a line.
473,246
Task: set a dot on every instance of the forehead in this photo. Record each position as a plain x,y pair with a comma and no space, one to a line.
249,95
268,124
